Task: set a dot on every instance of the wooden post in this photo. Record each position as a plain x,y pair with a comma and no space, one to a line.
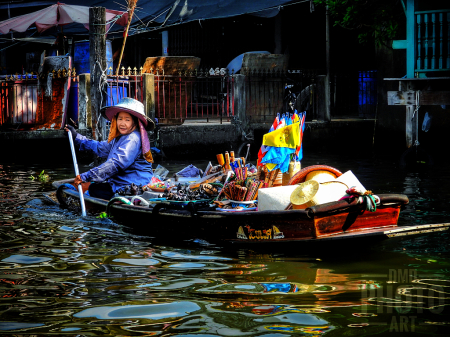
321,88
84,102
240,99
97,61
149,94
327,116
412,119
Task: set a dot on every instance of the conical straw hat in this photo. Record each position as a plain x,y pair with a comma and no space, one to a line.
304,192
312,193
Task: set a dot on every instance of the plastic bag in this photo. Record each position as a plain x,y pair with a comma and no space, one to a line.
426,122
190,171
161,172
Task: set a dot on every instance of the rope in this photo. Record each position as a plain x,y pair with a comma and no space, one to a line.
142,200
417,104
371,201
113,200
368,198
102,83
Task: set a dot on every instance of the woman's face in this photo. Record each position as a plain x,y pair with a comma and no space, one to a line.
125,123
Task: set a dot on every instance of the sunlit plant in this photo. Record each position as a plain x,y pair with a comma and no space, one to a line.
41,177
103,215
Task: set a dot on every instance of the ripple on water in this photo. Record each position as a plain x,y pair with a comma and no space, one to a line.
10,326
160,311
138,262
25,259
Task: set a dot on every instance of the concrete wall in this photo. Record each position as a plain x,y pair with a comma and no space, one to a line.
201,138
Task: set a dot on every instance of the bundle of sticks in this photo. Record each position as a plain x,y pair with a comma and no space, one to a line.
267,176
242,190
229,162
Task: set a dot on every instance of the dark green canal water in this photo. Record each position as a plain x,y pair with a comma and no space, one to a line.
61,274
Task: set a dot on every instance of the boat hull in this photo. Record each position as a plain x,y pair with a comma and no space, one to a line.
328,223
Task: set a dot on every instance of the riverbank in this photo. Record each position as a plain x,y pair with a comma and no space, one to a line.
187,140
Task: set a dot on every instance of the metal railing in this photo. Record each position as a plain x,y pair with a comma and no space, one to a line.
202,94
19,100
433,40
198,94
118,87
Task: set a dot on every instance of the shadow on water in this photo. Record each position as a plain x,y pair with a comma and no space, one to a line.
61,274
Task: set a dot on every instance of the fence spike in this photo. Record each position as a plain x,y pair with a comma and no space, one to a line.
123,71
64,72
151,70
74,73
141,69
135,71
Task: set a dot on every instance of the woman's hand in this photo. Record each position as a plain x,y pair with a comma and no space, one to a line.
72,130
77,180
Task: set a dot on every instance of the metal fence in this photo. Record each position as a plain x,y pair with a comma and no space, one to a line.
264,94
19,100
367,93
118,87
193,95
188,95
203,94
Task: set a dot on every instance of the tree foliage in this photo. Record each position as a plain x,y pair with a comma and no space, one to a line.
374,20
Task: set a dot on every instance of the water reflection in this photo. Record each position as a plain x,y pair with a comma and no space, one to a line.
64,274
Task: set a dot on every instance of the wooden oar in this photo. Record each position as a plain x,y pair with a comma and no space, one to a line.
75,165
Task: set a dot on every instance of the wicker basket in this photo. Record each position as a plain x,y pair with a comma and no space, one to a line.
300,176
320,176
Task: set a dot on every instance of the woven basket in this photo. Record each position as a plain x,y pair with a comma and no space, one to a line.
300,177
320,176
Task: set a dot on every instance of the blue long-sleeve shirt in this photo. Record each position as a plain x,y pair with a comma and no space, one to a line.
124,165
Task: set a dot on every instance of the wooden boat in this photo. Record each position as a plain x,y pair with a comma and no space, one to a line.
330,223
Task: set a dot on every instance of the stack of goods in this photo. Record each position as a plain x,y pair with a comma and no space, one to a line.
184,193
242,190
321,184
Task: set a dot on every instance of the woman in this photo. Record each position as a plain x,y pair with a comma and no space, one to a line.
127,150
